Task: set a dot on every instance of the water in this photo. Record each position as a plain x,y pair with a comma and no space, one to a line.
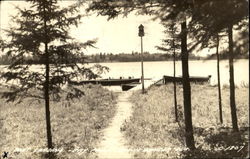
156,70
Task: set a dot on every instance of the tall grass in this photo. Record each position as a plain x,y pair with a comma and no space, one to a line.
152,124
76,128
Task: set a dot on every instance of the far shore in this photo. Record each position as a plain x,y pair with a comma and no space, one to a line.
201,59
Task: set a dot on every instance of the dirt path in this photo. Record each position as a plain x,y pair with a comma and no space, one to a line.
113,145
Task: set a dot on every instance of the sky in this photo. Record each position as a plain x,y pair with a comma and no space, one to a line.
119,35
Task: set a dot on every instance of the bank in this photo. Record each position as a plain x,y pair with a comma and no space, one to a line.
153,133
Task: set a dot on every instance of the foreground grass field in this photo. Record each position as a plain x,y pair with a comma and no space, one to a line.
153,133
76,128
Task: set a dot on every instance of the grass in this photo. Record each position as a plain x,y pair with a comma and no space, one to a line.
76,128
153,133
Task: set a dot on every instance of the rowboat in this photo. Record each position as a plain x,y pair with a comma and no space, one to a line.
191,79
129,86
107,82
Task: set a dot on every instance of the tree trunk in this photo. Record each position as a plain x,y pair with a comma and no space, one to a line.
175,98
46,90
186,88
231,80
218,75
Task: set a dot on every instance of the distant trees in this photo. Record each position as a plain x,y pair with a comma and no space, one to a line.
41,31
127,57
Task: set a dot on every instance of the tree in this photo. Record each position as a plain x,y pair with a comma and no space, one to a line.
211,42
186,88
217,16
171,44
42,31
218,77
165,10
231,79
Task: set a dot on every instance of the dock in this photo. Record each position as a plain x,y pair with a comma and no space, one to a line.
147,84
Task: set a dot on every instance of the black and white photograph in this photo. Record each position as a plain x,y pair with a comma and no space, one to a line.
124,79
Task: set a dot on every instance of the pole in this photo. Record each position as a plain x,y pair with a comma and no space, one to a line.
142,72
175,99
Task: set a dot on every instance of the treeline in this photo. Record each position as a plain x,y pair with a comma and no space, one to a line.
6,60
127,57
95,58
101,57
135,56
121,57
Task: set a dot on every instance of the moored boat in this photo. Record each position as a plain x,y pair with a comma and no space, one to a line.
107,82
191,79
126,87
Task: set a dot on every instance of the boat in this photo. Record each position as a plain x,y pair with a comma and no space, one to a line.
126,87
107,82
201,79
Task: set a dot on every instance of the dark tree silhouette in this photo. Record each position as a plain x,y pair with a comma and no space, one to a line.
218,77
231,80
186,88
41,32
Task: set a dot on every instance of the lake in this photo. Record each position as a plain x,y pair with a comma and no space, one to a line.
156,70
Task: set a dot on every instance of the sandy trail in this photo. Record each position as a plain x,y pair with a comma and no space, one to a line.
113,145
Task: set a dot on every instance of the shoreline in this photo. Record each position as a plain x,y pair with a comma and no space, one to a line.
177,60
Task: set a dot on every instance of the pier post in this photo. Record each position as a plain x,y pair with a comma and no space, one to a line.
141,34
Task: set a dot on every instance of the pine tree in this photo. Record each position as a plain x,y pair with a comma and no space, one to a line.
42,32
